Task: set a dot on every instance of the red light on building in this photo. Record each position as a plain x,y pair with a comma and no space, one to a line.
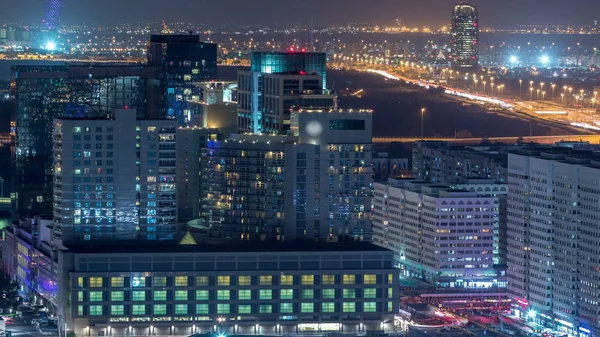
292,49
304,50
127,107
302,72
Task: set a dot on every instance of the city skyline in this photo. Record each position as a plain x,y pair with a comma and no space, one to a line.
272,12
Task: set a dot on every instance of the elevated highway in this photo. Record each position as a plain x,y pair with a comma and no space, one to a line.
592,139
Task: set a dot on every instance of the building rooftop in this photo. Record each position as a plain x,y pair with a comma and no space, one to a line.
140,247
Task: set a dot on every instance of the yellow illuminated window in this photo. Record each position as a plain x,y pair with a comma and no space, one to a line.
390,292
370,279
390,279
160,281
287,280
80,281
328,279
202,281
181,281
266,280
349,279
308,280
223,281
95,282
244,280
117,281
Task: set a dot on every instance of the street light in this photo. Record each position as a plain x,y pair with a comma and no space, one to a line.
562,97
553,86
531,93
422,122
521,89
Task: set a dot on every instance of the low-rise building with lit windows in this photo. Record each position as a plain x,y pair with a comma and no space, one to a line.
241,289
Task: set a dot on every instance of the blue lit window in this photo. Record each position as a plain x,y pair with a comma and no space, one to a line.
151,212
151,236
152,220
151,203
151,228
151,196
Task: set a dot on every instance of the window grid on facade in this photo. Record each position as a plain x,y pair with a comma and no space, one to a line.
138,295
307,307
308,280
349,279
160,281
117,282
244,294
223,295
117,296
286,294
95,282
202,295
286,308
138,309
95,296
222,308
181,281
307,294
349,307
244,280
349,293
328,279
223,281
160,309
266,294
266,280
202,281
369,307
202,309
181,309
117,310
181,295
95,310
244,309
265,308
370,279
328,307
287,280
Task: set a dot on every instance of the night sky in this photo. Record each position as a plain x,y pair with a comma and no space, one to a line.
496,13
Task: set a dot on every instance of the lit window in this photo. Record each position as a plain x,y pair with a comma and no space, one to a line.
117,282
160,281
390,293
286,294
151,179
77,129
202,281
307,294
370,279
308,280
266,280
80,281
181,309
223,281
307,307
80,296
286,308
390,278
222,309
138,295
151,128
181,281
244,280
369,307
160,295
117,310
266,294
244,294
80,310
349,293
349,307
138,309
95,296
265,308
287,280
244,309
349,279
181,295
202,308
370,293
223,295
328,279
95,310
328,293
328,307
95,282
117,296
389,306
202,295
160,309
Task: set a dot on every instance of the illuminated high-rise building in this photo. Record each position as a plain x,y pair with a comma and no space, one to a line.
465,37
53,14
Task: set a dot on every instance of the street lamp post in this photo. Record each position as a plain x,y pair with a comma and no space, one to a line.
562,97
553,87
531,93
422,123
521,89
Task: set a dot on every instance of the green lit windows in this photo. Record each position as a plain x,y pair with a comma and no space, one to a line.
266,280
117,296
181,281
328,294
160,309
328,279
95,296
117,310
370,279
307,307
202,281
266,294
80,310
202,309
265,308
80,296
307,294
160,281
286,308
349,307
160,295
138,295
390,292
138,309
389,306
181,309
244,280
244,309
308,280
244,294
95,310
328,307
223,295
95,282
181,295
370,293
117,282
349,279
202,295
349,293
287,280
222,308
286,294
369,307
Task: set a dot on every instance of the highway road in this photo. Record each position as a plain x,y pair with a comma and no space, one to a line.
592,139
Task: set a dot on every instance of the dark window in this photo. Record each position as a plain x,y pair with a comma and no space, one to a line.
347,124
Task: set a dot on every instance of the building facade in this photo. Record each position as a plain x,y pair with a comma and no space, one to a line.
42,93
279,289
183,62
114,179
465,37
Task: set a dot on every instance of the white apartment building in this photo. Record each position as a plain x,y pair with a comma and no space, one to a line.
114,179
439,234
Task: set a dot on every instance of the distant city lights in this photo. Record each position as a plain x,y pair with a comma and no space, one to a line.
545,59
50,46
513,59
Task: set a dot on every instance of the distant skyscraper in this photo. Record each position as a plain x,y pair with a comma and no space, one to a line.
53,14
101,191
42,93
183,62
465,37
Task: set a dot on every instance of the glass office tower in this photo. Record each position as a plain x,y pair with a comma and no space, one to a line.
291,61
465,37
183,62
42,93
